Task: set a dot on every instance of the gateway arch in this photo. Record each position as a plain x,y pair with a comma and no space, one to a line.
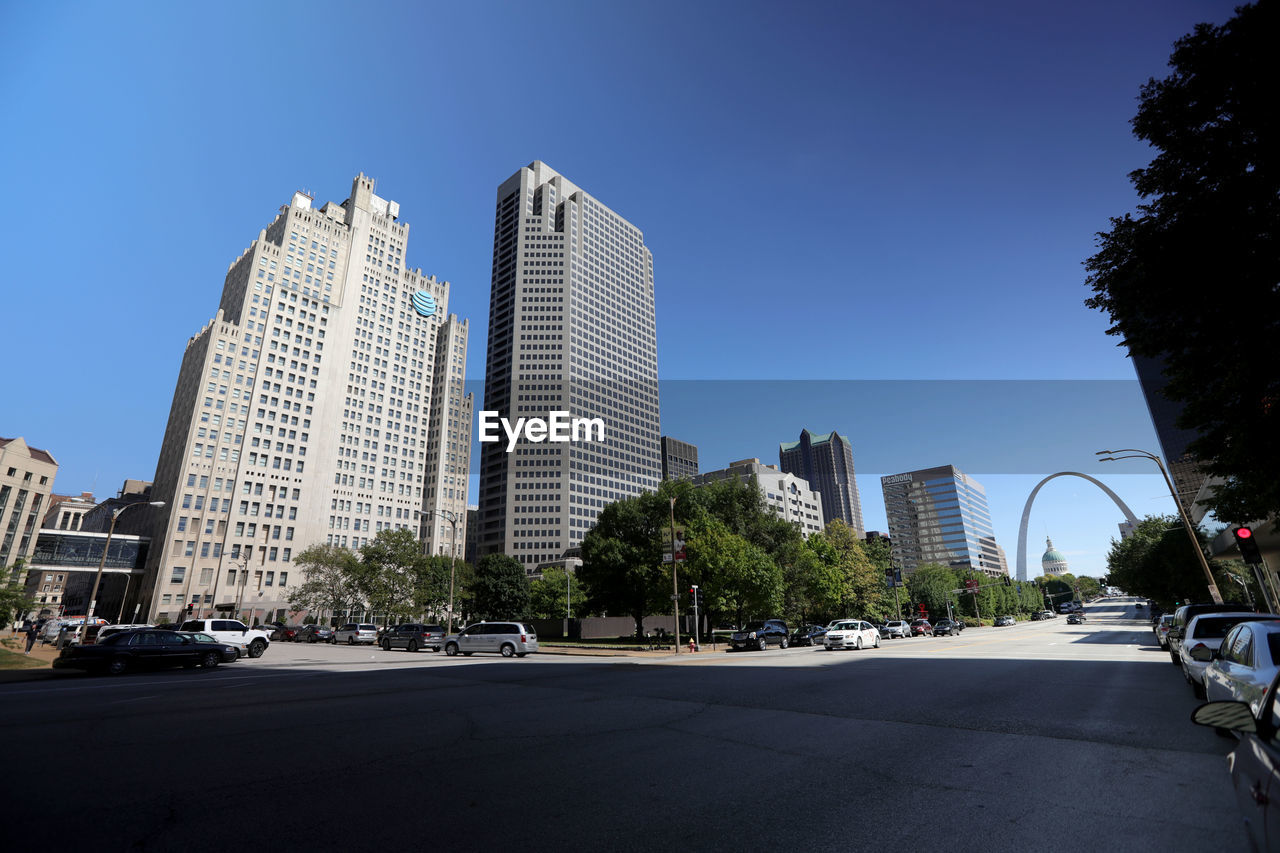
1026,514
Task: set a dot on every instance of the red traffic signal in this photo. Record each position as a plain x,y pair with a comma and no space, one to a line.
1247,544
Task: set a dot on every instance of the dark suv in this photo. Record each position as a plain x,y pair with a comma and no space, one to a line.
413,637
759,635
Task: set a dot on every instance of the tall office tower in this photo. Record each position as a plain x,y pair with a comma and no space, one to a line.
679,459
303,412
939,515
826,461
26,482
444,519
571,329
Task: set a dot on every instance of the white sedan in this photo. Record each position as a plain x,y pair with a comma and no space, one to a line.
1203,638
851,634
1245,665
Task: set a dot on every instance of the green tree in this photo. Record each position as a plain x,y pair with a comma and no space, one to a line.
549,595
1191,279
622,559
391,568
500,589
14,602
931,584
854,586
332,584
734,576
431,585
1158,563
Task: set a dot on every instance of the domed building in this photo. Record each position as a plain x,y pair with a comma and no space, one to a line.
1054,562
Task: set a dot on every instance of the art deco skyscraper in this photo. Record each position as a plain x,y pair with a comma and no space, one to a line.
571,329
309,411
826,461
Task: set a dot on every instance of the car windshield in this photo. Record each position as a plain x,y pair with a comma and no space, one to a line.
846,626
753,626
1216,627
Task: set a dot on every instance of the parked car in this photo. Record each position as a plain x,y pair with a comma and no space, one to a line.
1161,630
231,631
98,633
506,638
1245,665
759,635
230,651
1182,616
354,633
282,633
144,649
851,634
809,635
1005,621
1254,766
413,636
895,628
314,634
921,628
1203,635
945,628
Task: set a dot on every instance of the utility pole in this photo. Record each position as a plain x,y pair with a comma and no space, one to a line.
675,583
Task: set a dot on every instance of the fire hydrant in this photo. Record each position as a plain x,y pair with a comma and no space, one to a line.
693,647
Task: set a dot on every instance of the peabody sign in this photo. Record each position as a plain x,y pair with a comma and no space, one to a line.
896,478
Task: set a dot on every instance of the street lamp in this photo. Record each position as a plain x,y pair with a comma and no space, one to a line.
97,578
451,517
1182,513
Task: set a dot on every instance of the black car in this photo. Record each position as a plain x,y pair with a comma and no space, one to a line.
759,635
144,649
809,635
945,628
1075,619
314,634
412,637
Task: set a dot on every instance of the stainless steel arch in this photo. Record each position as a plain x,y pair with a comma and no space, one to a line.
1026,514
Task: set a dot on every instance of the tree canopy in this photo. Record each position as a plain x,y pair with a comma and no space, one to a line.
500,589
1190,279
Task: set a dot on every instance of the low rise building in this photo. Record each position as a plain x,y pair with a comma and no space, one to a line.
786,494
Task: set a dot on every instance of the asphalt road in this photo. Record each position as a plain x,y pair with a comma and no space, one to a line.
1041,736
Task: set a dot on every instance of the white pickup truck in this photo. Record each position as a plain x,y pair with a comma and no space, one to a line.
231,631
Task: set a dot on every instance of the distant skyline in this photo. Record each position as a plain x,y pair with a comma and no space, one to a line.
830,192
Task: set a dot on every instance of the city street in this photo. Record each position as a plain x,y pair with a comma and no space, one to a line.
1039,736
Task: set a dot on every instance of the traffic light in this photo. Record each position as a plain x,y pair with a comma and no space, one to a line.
190,608
1248,545
693,597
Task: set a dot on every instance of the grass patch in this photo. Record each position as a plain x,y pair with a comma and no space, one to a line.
17,660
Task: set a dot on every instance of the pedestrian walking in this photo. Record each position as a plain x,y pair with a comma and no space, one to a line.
32,633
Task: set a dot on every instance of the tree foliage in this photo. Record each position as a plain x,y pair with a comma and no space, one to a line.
391,568
500,589
1157,562
331,580
549,595
1190,279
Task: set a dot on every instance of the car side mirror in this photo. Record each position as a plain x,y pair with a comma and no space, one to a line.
1204,654
1175,633
1233,716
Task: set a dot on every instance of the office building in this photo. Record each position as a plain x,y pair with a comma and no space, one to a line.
787,495
26,482
679,459
571,330
304,411
444,522
940,515
826,461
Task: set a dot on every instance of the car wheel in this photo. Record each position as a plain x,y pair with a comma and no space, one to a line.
412,647
1199,690
522,654
857,644
451,649
256,648
1173,657
783,644
876,644
467,654
351,641
435,648
508,650
761,644
386,645
210,660
117,666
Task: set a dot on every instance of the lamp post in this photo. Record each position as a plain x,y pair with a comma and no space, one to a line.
1182,513
452,518
97,578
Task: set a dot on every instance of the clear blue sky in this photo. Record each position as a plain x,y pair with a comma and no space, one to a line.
837,191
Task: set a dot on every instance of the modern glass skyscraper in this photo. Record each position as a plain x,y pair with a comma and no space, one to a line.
304,412
826,461
940,515
571,329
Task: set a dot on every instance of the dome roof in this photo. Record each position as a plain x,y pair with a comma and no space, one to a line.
1052,555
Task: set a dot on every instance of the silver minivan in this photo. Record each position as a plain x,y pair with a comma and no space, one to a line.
353,633
506,638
